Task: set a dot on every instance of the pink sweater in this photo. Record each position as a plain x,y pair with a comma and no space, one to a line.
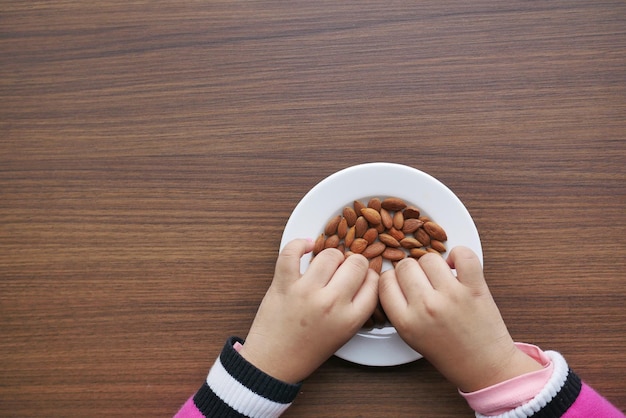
235,388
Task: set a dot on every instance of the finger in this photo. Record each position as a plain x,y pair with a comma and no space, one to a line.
437,271
468,267
366,297
288,262
323,267
390,294
350,276
412,280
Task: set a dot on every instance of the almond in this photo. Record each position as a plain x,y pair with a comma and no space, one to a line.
417,252
372,216
361,226
374,250
319,244
331,226
393,254
393,204
342,228
388,240
376,264
437,245
350,235
370,235
358,245
435,231
399,235
398,220
374,203
385,218
411,213
350,215
410,242
411,225
332,241
358,206
422,236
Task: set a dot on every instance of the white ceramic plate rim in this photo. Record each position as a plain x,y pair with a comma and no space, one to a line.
380,347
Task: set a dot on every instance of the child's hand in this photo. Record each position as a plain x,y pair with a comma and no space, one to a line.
453,322
304,319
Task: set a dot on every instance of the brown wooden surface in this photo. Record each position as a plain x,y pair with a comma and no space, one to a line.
151,153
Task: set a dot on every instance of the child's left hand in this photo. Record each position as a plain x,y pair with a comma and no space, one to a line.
304,318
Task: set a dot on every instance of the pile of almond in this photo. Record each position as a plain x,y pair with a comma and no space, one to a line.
383,229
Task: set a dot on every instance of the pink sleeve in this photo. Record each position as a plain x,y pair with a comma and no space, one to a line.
590,404
189,410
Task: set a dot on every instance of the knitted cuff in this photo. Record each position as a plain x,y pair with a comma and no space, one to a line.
235,388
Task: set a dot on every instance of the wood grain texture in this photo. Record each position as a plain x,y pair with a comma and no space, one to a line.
151,153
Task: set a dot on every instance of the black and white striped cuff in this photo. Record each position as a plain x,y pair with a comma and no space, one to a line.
235,388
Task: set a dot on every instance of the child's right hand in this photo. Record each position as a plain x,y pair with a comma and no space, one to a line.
452,321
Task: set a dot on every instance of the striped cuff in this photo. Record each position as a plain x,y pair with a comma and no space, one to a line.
235,388
556,397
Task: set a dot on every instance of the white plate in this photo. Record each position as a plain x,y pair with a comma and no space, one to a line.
380,347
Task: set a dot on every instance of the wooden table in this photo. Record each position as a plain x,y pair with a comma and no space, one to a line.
152,152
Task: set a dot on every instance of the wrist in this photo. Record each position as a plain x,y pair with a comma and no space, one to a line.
509,363
505,396
273,363
519,364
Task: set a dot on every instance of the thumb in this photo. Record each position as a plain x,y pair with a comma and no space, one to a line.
468,268
288,262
